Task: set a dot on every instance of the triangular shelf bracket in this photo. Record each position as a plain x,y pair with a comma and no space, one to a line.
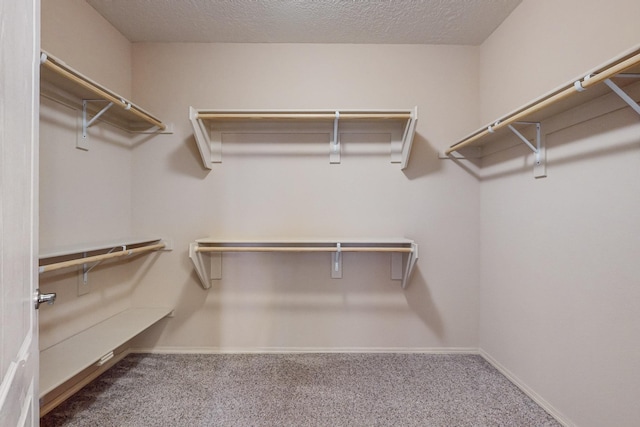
621,93
539,168
81,141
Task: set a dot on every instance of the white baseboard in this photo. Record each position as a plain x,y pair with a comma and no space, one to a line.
284,350
527,390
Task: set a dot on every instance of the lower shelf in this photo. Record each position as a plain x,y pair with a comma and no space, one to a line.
68,358
404,253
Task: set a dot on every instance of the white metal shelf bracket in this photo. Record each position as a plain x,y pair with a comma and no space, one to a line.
621,93
336,263
539,168
86,268
81,142
334,153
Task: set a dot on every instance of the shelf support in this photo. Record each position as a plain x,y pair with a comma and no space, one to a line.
336,263
539,169
412,257
81,143
334,153
202,269
622,94
208,153
407,139
87,267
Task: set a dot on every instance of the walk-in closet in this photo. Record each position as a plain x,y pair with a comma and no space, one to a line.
327,213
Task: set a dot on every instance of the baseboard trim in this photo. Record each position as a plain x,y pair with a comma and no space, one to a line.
526,389
284,350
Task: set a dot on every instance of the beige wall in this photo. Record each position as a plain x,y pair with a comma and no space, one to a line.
157,186
290,301
85,196
559,256
555,257
74,32
545,43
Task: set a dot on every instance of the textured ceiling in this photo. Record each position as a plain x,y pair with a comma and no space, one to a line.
463,22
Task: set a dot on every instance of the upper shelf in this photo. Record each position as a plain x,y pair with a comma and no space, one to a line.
95,247
50,260
615,74
209,125
60,81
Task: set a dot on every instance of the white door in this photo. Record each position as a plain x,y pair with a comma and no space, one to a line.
19,87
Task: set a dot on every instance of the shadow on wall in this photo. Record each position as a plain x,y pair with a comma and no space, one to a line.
187,303
420,302
293,299
423,159
186,160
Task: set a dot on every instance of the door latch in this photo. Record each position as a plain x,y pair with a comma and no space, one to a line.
42,298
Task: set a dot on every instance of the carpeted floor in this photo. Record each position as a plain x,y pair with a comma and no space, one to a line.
342,389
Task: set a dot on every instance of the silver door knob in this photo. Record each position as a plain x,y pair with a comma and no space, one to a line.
42,298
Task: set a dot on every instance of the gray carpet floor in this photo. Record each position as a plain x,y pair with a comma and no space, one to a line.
342,389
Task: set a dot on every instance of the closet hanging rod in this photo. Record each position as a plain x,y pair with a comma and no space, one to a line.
102,257
611,71
60,68
515,118
301,115
578,86
300,249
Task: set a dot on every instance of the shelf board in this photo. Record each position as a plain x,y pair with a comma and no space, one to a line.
94,246
404,253
68,358
209,125
324,241
63,83
568,97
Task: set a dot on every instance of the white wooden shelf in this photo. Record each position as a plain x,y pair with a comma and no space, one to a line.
210,125
95,345
621,72
91,247
63,84
97,252
90,255
206,254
